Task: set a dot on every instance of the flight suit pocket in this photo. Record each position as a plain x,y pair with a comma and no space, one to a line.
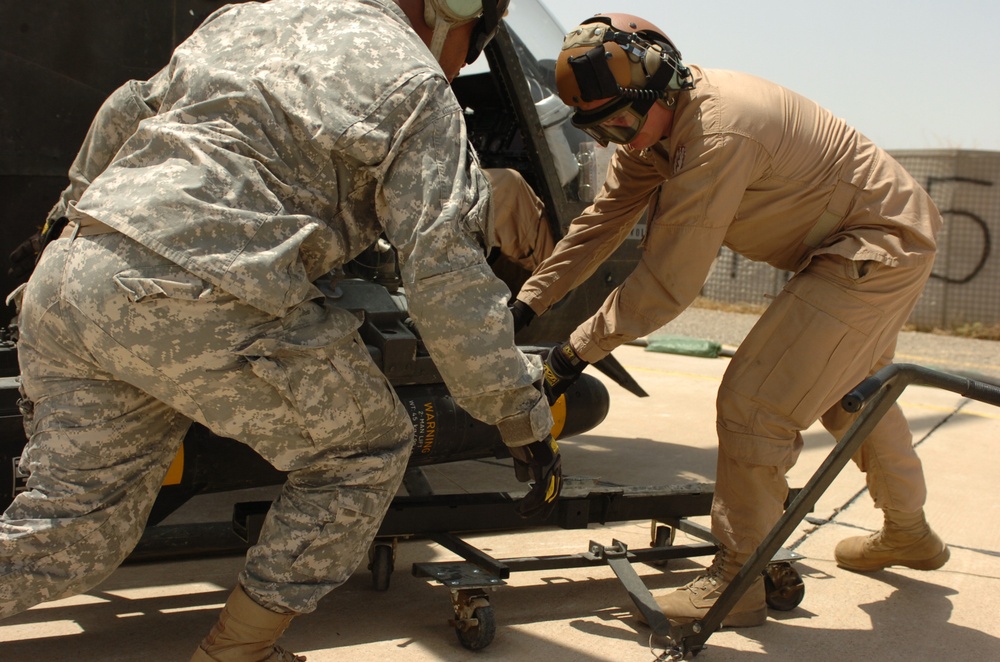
804,353
833,216
839,327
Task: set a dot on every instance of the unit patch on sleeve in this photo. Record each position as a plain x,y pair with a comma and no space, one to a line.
679,159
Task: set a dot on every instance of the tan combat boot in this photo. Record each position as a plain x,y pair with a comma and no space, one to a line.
693,601
905,539
245,632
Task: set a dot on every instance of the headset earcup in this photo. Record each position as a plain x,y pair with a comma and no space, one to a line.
458,10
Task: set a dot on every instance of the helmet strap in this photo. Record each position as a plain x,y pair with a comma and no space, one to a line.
441,26
441,30
594,76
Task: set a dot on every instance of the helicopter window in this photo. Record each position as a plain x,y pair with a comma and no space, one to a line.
490,116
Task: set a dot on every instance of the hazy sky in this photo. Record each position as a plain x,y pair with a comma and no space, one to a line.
909,75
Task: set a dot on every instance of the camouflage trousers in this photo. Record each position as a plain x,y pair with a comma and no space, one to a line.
120,350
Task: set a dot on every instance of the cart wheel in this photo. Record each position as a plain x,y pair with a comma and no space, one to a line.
479,635
381,566
783,586
663,536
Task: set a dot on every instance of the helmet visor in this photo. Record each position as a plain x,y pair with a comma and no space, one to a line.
614,122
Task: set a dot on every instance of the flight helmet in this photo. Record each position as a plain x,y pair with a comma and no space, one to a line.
625,60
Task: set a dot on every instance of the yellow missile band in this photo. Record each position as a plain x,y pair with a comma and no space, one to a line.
558,416
176,470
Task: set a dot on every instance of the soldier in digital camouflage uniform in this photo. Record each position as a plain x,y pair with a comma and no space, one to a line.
278,143
720,158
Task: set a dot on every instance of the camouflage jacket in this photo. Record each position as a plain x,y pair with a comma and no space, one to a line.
279,142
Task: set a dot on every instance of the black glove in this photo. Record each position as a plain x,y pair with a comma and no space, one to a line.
522,313
540,462
22,258
562,368
25,255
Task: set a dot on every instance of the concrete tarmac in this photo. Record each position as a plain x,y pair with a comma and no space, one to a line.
153,612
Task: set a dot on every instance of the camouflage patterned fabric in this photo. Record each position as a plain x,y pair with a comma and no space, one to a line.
278,143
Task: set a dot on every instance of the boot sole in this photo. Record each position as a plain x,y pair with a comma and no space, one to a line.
932,563
747,619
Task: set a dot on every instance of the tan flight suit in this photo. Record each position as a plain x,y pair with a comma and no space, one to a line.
776,178
521,230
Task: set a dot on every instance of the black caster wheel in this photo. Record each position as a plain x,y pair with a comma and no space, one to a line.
381,565
662,536
783,586
477,633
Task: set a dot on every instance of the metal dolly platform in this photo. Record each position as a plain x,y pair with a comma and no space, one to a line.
443,518
472,579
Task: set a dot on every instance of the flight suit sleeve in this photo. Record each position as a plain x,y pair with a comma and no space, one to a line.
695,210
435,203
594,235
117,119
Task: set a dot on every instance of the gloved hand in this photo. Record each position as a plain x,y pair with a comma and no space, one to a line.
562,368
22,258
522,314
540,462
25,255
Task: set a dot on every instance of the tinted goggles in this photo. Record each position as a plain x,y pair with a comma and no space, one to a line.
614,122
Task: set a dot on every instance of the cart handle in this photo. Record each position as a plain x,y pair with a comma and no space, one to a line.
905,374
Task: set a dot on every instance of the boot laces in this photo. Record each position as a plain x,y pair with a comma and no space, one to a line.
889,539
875,540
713,575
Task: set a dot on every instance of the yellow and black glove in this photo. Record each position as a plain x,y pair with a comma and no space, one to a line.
562,368
540,462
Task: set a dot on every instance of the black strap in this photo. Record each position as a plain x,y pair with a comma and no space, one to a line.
594,76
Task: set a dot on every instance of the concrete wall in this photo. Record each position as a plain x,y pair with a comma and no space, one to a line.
965,286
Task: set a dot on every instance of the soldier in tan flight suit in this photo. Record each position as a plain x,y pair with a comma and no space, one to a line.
279,142
719,158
